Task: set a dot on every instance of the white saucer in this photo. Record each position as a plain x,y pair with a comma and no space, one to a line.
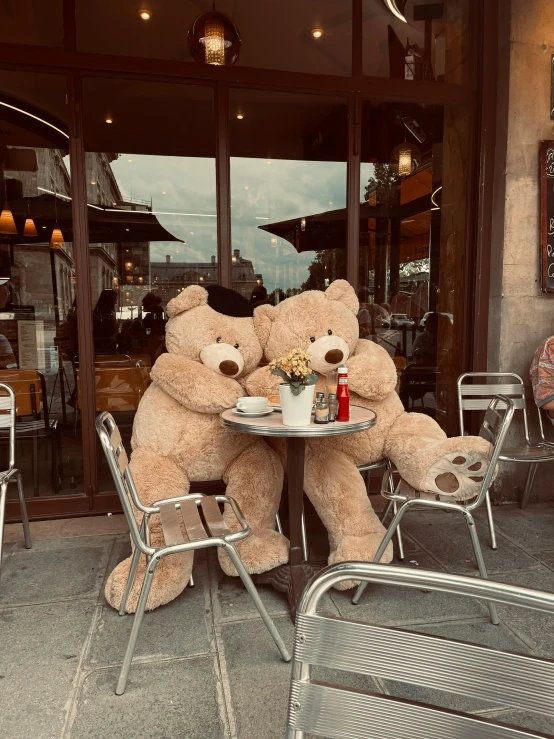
252,414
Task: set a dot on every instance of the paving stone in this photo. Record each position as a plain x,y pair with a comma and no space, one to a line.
547,558
178,629
165,701
39,652
527,720
50,572
260,680
393,605
447,537
536,627
477,632
531,528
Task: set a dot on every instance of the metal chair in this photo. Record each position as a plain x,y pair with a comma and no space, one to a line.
476,397
322,709
198,534
496,423
12,474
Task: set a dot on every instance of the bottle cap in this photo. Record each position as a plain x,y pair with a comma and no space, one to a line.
332,396
319,396
342,370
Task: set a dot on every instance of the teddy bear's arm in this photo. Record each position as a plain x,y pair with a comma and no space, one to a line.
371,372
262,382
195,386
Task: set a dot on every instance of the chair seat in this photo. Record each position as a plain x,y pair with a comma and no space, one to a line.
407,492
181,521
526,453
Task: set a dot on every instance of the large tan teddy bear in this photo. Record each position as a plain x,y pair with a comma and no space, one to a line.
325,325
177,437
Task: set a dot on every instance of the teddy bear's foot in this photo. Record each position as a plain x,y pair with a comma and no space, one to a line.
458,474
170,579
360,549
261,551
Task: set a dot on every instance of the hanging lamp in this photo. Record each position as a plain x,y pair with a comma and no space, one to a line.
7,223
406,157
56,240
214,39
29,229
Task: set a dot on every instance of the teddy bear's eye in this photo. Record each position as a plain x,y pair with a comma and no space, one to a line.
218,339
329,332
236,346
312,339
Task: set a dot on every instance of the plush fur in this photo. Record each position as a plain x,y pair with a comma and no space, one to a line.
177,439
325,324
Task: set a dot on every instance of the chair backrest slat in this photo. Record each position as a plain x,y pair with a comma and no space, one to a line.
476,397
337,713
214,519
171,525
428,661
193,523
493,389
8,418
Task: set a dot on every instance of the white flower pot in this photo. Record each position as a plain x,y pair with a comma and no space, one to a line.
297,409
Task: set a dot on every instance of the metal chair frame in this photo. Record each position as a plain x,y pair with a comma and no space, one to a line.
476,397
494,429
514,680
118,462
12,474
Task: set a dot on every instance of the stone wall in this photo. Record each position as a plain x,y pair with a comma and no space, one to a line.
521,317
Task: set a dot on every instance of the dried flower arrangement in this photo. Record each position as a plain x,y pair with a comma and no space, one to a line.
294,368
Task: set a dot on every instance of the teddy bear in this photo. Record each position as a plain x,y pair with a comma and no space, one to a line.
178,439
325,325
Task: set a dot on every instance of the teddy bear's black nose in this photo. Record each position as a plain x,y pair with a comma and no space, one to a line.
228,367
334,356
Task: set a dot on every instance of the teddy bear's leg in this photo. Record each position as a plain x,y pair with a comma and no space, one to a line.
156,477
255,481
337,490
431,462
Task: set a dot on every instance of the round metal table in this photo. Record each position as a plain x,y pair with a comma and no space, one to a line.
293,577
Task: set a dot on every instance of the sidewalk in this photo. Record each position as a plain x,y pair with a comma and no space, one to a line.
205,667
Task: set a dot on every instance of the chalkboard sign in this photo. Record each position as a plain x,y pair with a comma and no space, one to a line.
546,164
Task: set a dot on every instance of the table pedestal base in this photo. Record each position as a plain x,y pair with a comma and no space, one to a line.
289,579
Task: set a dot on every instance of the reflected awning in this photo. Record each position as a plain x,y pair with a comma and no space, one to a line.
106,225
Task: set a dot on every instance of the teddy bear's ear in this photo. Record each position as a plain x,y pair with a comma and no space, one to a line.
191,297
264,315
343,291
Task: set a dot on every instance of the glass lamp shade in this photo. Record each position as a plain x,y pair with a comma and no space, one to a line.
7,223
56,240
214,39
29,229
406,157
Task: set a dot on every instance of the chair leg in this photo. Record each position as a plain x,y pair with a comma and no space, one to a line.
529,485
382,546
249,585
304,538
278,523
490,519
386,511
53,442
191,581
398,535
3,494
24,518
130,580
128,658
480,561
35,465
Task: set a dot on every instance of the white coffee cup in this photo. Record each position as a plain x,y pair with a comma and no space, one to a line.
252,405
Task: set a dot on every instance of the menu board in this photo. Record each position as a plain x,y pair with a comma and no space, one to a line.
546,176
30,339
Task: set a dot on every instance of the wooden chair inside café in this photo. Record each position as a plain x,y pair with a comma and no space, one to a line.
32,420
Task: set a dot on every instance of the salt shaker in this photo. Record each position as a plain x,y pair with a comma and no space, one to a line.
321,414
333,407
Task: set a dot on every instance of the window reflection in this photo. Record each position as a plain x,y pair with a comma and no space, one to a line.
288,193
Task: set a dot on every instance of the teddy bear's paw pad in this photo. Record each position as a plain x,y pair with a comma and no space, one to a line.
457,475
359,549
261,551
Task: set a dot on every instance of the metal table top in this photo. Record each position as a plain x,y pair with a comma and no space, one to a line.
272,425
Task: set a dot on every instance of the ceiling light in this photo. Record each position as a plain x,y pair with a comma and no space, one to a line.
317,32
7,223
56,240
240,116
29,229
93,182
214,39
269,161
108,118
145,14
129,160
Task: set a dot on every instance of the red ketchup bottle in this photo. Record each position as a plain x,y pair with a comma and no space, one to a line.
342,395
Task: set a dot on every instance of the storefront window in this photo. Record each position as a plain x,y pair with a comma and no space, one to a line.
413,248
150,171
431,43
274,35
288,193
38,330
31,22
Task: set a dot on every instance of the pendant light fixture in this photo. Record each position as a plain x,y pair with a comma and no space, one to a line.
406,158
214,39
56,240
7,223
29,229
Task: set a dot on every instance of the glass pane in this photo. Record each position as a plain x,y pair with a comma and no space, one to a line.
431,44
38,330
274,34
32,22
413,248
288,193
152,225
